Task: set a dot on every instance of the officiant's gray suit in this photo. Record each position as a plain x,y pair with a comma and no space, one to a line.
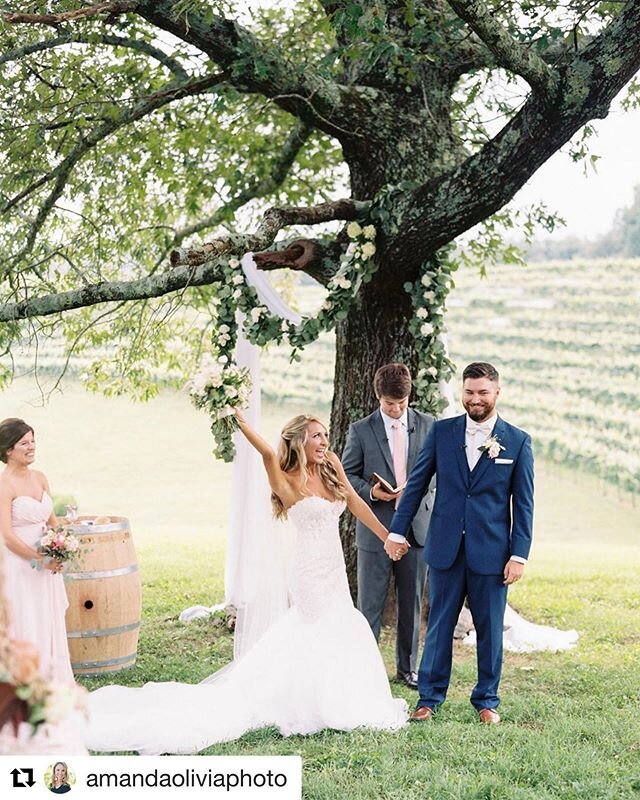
367,451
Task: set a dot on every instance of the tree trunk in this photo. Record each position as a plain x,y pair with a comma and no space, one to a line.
374,333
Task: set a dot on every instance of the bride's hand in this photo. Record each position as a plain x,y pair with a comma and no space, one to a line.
239,416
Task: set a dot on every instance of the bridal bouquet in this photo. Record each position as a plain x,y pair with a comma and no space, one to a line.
219,388
59,544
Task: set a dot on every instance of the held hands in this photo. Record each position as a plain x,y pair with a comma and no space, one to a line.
512,572
395,550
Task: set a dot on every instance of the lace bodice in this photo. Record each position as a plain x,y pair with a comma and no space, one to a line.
318,579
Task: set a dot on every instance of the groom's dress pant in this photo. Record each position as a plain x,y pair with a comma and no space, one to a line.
487,600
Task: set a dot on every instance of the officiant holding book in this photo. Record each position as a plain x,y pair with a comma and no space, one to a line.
378,455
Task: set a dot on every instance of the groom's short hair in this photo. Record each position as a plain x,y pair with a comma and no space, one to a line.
481,369
392,380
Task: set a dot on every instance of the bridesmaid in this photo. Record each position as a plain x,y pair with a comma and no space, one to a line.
34,589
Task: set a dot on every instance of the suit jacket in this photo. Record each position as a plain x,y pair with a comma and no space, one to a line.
367,451
493,504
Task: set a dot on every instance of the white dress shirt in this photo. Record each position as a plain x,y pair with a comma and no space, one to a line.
476,434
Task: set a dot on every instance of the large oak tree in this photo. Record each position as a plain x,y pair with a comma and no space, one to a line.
132,130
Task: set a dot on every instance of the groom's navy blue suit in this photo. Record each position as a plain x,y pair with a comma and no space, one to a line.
480,519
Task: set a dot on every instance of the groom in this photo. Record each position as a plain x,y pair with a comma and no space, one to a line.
479,535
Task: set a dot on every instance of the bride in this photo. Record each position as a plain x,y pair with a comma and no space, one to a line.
317,666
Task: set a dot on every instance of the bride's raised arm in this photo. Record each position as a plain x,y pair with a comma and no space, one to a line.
356,504
278,480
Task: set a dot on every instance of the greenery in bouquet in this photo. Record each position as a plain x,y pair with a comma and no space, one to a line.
219,387
59,544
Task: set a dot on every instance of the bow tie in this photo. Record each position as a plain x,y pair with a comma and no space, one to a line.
482,427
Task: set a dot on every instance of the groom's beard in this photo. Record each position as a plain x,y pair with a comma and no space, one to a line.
479,413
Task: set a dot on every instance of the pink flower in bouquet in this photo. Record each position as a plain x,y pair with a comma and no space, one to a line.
59,544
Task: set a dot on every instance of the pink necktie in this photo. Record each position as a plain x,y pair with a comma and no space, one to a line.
399,455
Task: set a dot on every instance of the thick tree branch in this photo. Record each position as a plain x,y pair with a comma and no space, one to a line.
126,42
254,66
451,204
110,291
274,220
303,255
509,53
190,268
71,16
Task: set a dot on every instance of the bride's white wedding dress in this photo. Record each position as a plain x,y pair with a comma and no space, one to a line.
318,666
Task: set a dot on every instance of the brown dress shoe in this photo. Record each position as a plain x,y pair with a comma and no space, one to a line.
422,714
488,716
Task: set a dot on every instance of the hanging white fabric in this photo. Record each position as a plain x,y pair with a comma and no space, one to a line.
257,545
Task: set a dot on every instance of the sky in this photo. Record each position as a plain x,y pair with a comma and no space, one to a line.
589,202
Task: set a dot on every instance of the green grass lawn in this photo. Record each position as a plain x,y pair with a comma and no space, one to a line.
571,720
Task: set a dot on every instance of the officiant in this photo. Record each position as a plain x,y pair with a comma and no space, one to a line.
384,445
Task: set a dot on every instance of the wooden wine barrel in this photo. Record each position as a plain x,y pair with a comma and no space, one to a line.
105,599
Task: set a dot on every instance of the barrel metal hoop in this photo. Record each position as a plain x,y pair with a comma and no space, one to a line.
110,662
104,573
103,631
108,527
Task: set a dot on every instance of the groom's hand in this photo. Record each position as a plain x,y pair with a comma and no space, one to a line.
395,550
512,572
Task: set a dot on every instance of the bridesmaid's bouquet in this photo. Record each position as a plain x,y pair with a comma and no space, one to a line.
59,544
219,388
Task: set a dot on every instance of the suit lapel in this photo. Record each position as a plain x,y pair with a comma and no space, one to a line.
484,460
377,426
459,447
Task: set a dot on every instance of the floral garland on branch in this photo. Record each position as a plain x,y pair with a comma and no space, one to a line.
220,386
428,295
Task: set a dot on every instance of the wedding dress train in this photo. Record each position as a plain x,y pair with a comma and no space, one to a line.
318,666
522,636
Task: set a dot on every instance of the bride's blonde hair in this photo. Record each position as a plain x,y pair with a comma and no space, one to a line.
291,456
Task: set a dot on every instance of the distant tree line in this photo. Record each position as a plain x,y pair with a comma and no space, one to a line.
623,240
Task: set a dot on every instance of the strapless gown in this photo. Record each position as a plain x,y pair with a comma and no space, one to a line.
318,666
37,600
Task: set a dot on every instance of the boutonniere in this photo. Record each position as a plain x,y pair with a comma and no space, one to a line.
491,447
